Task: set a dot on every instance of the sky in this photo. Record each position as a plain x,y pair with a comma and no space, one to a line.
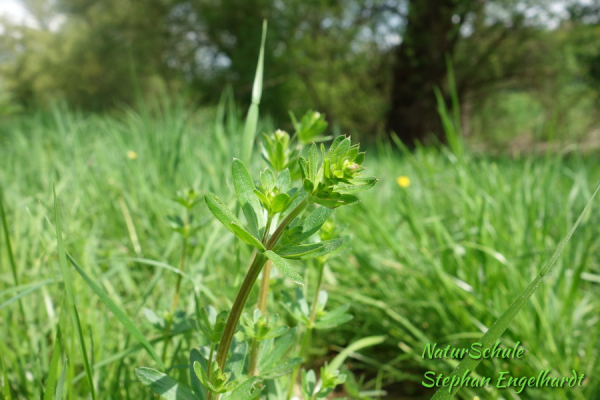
15,10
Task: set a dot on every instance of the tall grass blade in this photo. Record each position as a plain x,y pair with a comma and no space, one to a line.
468,364
116,310
68,282
451,120
50,387
252,117
11,257
7,394
337,362
61,382
25,293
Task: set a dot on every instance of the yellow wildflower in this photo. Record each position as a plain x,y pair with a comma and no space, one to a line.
403,181
132,155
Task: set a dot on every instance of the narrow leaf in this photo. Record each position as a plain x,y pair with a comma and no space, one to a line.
117,312
281,368
246,236
68,282
50,387
246,391
275,354
311,250
314,222
230,221
369,341
163,385
252,117
199,389
284,267
244,189
313,162
356,185
334,318
284,180
61,382
7,394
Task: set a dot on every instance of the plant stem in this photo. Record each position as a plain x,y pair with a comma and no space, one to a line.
248,283
210,360
309,328
263,295
175,300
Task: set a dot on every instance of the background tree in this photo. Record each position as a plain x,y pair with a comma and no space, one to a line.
370,66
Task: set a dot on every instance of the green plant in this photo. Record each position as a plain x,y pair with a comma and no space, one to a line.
281,219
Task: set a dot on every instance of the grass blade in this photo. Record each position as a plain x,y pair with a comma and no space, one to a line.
61,382
468,364
252,117
68,282
25,293
117,312
11,258
337,362
50,387
7,394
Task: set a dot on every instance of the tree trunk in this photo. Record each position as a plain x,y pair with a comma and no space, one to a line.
420,66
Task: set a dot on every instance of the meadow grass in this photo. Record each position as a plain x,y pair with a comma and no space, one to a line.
437,261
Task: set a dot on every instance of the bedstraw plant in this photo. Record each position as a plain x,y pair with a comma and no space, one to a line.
282,217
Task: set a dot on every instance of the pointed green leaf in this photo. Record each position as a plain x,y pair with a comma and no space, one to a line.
200,371
246,236
308,185
303,164
341,149
248,390
314,222
199,389
271,357
284,180
268,180
313,162
334,318
334,145
230,221
281,368
163,385
244,189
237,358
280,202
284,267
263,199
356,185
311,250
220,210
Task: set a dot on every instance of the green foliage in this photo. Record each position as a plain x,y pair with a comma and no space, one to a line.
437,261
